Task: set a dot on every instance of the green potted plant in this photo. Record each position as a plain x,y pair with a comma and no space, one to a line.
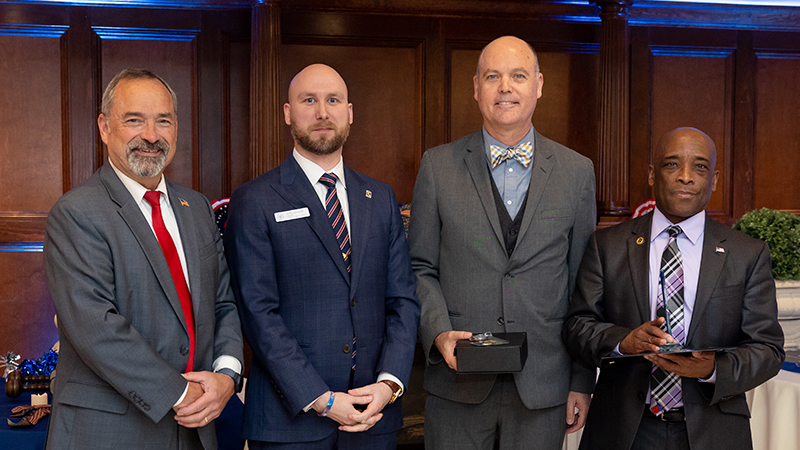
781,231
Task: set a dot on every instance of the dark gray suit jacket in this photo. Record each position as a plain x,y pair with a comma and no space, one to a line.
735,307
466,281
123,336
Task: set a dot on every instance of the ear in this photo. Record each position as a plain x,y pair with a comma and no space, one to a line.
541,83
102,124
287,113
651,176
714,181
350,112
475,87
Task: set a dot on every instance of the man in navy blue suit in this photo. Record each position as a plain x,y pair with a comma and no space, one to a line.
321,272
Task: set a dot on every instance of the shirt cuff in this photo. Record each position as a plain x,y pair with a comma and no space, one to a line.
227,362
185,391
387,376
713,378
308,407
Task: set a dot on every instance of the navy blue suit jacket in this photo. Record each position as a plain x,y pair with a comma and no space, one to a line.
300,308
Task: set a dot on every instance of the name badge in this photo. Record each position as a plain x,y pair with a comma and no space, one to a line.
291,214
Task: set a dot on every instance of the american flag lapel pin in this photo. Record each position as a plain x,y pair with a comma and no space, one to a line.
368,193
720,250
184,202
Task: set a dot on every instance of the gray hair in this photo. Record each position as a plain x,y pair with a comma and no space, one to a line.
132,74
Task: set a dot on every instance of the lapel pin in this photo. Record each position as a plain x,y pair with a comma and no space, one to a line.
184,202
368,193
640,241
720,250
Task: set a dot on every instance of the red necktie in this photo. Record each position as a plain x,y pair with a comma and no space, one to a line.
174,262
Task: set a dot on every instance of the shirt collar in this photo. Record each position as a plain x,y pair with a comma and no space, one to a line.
314,171
692,227
136,189
489,140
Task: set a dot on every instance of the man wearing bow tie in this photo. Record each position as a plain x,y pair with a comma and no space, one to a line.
499,222
713,284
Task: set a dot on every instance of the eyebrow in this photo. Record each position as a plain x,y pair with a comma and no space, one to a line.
139,114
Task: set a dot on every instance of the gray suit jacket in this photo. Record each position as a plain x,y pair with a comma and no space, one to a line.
466,281
123,337
735,307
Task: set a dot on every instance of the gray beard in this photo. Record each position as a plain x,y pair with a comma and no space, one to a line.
145,166
320,147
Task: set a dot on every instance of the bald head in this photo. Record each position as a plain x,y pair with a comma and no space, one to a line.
507,85
318,113
683,173
508,44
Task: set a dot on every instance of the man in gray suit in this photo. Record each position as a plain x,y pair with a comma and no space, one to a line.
499,222
720,292
136,271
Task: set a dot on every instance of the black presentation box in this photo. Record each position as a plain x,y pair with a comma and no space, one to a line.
504,358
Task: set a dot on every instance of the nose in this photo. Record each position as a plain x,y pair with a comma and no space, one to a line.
685,175
322,111
505,84
149,132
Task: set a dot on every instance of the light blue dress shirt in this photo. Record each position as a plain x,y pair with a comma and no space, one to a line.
511,178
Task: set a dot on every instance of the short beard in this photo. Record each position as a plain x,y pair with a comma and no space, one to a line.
146,166
322,146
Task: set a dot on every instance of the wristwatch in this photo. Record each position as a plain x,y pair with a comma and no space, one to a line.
396,389
237,379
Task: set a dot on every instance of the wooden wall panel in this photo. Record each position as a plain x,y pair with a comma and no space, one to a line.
239,110
695,88
384,88
566,112
30,123
173,60
777,155
26,311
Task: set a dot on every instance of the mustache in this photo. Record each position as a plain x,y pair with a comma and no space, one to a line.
138,143
326,124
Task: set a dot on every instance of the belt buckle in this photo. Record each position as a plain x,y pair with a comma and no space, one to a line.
673,415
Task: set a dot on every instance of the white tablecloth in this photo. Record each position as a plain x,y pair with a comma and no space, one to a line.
775,410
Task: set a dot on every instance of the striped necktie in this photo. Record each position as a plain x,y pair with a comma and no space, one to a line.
666,386
336,216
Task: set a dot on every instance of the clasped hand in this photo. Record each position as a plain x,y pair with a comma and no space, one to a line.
205,399
375,396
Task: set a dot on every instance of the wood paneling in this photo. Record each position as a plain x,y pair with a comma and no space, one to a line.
777,153
694,87
30,122
26,312
173,60
238,114
384,88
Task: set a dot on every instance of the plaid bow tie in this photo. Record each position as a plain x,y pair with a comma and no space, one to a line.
522,153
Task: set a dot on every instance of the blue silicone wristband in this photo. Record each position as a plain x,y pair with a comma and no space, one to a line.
328,407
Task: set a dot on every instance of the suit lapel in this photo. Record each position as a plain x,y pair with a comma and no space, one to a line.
296,189
639,263
133,217
475,158
540,174
360,222
711,264
186,227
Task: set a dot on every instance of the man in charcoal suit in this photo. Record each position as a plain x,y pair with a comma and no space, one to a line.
136,271
720,294
499,222
324,285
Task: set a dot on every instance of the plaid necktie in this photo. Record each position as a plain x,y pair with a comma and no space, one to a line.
666,386
522,153
336,216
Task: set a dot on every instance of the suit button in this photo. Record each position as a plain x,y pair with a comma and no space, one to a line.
640,396
508,276
346,348
184,351
353,302
512,232
500,321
